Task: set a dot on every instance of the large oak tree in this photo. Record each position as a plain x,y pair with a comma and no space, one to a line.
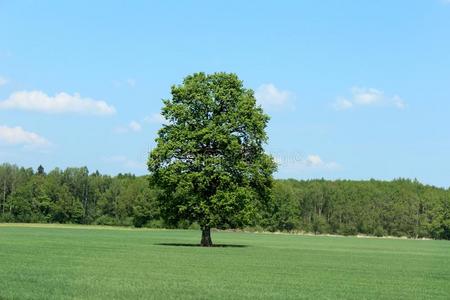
209,163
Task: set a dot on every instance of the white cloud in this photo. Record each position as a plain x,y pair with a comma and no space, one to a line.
156,119
363,96
60,103
132,126
342,104
269,96
315,161
125,162
299,162
130,82
398,101
3,81
135,126
19,136
368,97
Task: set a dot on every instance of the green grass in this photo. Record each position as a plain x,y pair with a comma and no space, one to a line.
87,262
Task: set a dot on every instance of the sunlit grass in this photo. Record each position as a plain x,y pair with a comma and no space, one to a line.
91,262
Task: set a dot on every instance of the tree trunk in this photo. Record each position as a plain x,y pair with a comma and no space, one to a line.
206,237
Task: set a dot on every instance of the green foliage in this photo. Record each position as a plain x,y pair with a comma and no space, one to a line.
396,208
209,163
105,220
74,196
154,224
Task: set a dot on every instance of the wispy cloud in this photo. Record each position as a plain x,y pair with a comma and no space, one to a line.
271,97
60,103
18,136
155,119
300,162
5,54
342,104
133,126
368,97
3,81
129,82
125,162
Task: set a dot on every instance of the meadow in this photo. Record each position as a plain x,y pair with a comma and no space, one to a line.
90,262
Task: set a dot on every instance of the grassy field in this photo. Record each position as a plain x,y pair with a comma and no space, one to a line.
86,262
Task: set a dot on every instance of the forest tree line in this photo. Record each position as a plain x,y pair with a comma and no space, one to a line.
397,208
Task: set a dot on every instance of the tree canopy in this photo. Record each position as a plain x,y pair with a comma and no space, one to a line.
209,162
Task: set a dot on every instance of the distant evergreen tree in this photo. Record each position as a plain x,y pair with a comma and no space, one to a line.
40,170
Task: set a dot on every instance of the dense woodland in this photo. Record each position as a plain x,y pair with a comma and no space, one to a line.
396,208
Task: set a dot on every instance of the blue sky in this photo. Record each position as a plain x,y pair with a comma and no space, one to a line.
355,89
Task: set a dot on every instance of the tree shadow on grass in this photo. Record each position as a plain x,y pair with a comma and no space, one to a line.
198,245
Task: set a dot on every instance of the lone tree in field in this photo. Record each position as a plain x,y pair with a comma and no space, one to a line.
209,163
